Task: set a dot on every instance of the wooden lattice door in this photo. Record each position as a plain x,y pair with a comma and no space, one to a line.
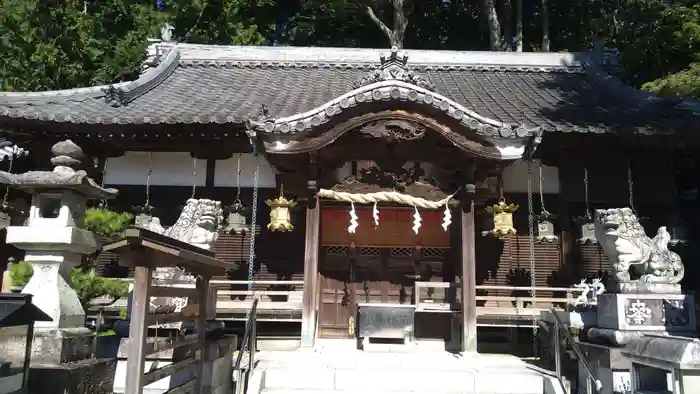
337,295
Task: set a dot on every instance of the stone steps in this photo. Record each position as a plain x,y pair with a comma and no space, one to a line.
354,372
342,381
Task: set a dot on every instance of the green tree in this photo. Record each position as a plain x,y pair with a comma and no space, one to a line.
221,22
71,43
106,223
66,44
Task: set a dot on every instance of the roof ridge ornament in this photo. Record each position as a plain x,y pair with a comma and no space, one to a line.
394,67
116,97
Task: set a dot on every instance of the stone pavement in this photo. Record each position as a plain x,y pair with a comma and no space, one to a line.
337,367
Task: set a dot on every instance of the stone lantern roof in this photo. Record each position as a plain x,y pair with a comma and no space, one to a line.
66,158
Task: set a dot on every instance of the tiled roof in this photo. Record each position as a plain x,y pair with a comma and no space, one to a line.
210,84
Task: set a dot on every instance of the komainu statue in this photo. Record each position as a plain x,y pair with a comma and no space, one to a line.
198,223
636,259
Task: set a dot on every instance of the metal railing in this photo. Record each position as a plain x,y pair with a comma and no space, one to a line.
249,342
559,328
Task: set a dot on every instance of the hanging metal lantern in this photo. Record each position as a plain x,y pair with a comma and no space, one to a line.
237,222
502,218
545,227
280,218
587,226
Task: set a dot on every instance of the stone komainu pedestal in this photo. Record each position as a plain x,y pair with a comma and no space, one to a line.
645,296
54,242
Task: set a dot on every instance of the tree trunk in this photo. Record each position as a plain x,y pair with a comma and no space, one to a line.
507,44
494,26
519,26
545,25
401,13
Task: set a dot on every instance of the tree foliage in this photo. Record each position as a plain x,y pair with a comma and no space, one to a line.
53,45
106,223
85,282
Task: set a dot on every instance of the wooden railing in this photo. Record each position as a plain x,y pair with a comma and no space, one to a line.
249,344
525,306
144,251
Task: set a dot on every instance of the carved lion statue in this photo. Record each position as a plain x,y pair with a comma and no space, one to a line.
197,225
627,246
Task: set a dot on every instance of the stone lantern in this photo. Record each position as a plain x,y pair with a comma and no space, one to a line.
54,242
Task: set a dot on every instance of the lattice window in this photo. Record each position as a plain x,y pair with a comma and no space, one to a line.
401,252
369,252
433,253
337,251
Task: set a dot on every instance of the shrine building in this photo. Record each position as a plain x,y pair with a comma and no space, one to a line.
395,160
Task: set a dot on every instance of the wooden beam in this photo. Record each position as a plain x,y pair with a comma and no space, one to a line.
467,235
210,175
138,331
309,307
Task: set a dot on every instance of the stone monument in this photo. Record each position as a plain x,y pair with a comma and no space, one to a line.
643,296
54,242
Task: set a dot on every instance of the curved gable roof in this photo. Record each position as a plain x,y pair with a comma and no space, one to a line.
229,84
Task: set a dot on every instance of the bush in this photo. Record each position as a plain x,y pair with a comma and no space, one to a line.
20,272
106,223
86,284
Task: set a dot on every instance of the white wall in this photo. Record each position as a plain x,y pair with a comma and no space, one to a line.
168,169
515,178
225,172
176,169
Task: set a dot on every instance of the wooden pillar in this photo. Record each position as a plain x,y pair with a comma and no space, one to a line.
138,330
309,306
467,235
203,309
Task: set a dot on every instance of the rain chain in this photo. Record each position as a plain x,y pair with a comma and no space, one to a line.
253,219
531,246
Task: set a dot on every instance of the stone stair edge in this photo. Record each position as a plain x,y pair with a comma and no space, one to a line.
311,391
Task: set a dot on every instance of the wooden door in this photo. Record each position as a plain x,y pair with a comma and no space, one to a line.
337,303
337,309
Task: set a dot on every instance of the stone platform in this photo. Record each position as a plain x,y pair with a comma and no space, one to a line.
337,367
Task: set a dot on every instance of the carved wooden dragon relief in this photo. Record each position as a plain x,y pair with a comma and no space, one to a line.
393,130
